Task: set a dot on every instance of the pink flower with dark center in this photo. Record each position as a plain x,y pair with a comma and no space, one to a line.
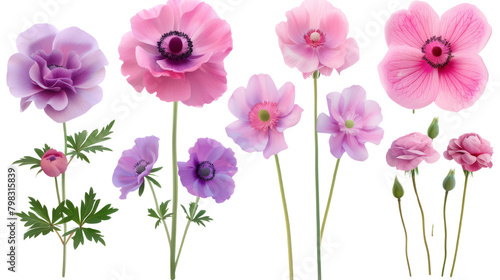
435,60
471,151
352,123
407,152
314,37
177,50
264,112
54,163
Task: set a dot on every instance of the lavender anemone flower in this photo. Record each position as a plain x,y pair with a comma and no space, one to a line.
209,170
58,70
135,164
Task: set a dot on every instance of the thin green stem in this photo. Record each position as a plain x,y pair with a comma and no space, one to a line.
316,173
57,192
287,220
175,193
406,236
445,234
63,186
329,198
423,220
185,232
158,210
460,224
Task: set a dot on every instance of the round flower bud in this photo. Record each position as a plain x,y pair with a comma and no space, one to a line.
397,189
433,130
449,181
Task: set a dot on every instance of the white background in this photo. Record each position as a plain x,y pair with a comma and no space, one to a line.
247,240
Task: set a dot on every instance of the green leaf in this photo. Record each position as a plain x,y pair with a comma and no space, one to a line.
163,213
93,234
88,212
196,217
33,161
39,221
82,142
141,189
153,181
156,169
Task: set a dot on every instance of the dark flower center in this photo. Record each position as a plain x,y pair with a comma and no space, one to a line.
437,52
175,46
205,171
53,66
140,166
52,158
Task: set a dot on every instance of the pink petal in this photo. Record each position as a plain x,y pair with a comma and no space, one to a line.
432,155
298,24
148,60
212,36
190,64
18,79
354,149
75,39
317,9
261,88
149,25
337,144
468,158
372,114
351,54
238,105
373,136
130,68
334,24
335,103
466,28
275,144
301,56
408,79
325,71
331,58
326,125
282,32
286,100
290,120
169,90
207,84
25,103
194,16
353,96
78,104
412,27
461,82
38,37
248,138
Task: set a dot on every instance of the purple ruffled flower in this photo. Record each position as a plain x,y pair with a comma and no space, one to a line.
135,164
209,170
58,70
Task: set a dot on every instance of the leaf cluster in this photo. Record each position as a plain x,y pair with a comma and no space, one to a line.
161,213
195,216
82,142
33,162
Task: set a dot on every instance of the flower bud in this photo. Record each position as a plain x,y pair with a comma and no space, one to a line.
433,130
449,181
397,189
54,163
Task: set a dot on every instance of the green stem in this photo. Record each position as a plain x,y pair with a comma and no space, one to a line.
406,236
445,233
460,224
57,191
287,220
423,220
329,198
175,193
316,174
185,232
158,210
63,186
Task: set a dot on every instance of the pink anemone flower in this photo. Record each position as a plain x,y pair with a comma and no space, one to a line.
263,113
314,37
177,50
435,60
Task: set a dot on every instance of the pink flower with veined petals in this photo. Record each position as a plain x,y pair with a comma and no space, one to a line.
435,60
264,112
471,151
314,37
352,123
177,50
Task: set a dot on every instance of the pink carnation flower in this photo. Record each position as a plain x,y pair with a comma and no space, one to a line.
435,60
314,37
471,151
353,122
264,112
407,152
177,50
54,163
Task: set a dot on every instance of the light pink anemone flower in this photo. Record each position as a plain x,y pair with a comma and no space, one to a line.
314,37
352,123
264,112
177,50
432,59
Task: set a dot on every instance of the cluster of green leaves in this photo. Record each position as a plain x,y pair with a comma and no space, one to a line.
161,214
196,216
40,222
150,179
82,142
33,161
87,214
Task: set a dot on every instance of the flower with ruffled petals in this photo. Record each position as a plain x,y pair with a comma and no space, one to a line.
407,152
177,50
58,70
471,151
435,60
352,123
314,37
209,171
263,113
54,163
135,164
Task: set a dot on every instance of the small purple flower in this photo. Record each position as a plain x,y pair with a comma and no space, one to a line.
209,170
135,164
353,122
59,71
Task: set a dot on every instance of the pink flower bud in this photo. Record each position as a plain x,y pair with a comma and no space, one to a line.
54,163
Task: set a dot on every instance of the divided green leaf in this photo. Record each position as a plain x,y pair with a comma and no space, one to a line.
83,142
162,215
195,216
33,161
39,221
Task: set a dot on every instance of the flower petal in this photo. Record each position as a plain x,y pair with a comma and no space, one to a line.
275,144
466,28
334,24
298,24
351,54
212,36
261,88
407,78
326,125
373,136
238,104
353,96
248,138
18,79
290,120
78,104
75,39
222,187
286,100
354,149
168,89
149,25
337,144
38,37
461,82
92,70
207,84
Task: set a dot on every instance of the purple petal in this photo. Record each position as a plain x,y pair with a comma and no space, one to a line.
248,138
238,104
92,70
78,104
286,98
38,37
261,88
147,148
354,149
373,136
18,79
337,145
275,144
74,39
326,125
290,120
222,187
